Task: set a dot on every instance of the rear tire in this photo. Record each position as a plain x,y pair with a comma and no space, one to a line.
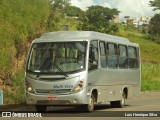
119,103
41,108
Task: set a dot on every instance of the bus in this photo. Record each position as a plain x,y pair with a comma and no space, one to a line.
81,68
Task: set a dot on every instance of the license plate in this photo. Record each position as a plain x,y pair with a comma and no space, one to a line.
51,98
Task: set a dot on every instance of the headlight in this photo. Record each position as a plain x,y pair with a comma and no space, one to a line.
78,87
29,88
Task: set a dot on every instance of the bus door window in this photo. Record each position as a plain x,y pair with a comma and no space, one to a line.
133,57
112,55
103,58
93,55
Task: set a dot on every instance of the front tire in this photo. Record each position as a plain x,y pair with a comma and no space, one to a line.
90,107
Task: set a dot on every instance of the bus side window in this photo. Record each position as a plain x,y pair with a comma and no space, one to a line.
93,55
132,57
112,55
103,57
123,58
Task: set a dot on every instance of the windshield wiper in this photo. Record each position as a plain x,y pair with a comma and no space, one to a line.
58,66
65,74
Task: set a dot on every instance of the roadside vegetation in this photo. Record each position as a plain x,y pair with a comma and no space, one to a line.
22,21
150,77
14,93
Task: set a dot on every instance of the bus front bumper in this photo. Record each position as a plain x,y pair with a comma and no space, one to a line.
49,99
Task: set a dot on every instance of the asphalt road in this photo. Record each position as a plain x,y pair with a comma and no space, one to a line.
145,106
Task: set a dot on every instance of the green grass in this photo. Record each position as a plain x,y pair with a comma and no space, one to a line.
150,77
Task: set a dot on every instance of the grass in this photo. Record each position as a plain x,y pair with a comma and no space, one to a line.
150,77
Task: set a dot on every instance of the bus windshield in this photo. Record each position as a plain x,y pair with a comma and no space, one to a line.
57,57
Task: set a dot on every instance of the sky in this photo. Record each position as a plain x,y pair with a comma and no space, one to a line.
132,8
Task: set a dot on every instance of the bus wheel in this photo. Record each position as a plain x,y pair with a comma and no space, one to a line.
122,101
119,103
90,106
41,108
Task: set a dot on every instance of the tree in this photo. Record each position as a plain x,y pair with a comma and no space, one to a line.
57,14
72,11
57,18
155,4
126,19
98,18
155,25
155,21
60,4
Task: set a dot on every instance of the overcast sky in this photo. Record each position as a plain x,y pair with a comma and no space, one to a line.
133,8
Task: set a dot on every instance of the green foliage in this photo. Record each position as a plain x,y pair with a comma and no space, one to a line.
155,25
97,18
154,38
59,4
150,77
72,11
155,4
63,14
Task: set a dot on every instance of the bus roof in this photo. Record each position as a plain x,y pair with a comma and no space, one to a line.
80,35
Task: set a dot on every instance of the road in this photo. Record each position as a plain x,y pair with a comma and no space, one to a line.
148,104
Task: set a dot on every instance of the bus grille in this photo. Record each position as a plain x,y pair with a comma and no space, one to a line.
52,91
